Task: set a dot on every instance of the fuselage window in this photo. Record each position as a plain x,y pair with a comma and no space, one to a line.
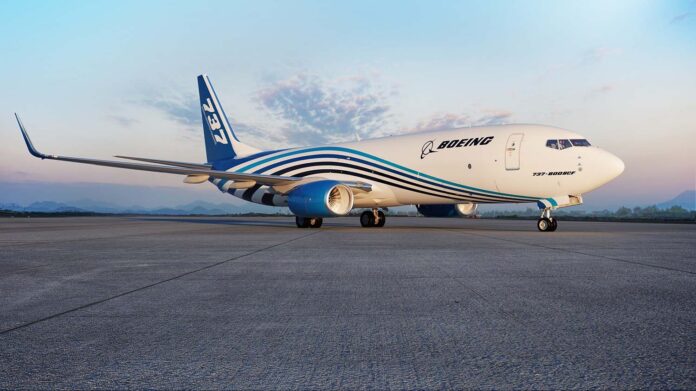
580,142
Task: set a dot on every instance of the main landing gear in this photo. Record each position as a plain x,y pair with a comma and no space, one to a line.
546,223
373,218
308,222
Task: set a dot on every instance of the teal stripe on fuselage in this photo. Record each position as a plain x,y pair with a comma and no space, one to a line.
356,152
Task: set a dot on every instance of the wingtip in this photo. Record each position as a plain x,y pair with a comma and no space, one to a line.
19,121
27,140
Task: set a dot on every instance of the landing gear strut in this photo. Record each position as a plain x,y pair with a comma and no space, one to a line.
373,218
546,223
308,222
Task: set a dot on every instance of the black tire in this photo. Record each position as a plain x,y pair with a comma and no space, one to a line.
315,222
367,219
543,224
554,225
301,222
382,219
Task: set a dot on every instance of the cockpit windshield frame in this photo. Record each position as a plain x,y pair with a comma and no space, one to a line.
561,144
580,142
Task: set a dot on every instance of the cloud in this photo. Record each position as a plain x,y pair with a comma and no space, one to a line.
587,58
304,109
181,108
681,17
599,54
258,136
445,121
315,110
123,120
603,89
442,122
494,117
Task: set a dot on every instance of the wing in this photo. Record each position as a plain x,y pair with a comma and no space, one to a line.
196,173
183,169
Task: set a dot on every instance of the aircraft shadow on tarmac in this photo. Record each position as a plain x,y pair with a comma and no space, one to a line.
290,223
229,221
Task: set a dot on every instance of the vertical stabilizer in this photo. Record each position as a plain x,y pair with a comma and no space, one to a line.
220,141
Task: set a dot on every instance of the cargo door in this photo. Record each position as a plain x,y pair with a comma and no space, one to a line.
512,151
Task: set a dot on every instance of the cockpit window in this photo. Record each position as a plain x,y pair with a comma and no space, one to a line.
558,144
563,144
580,142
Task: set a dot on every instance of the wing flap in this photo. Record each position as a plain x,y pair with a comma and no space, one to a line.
166,162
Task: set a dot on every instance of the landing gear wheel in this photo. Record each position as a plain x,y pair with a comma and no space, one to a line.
381,219
315,222
544,224
301,222
308,222
367,219
554,225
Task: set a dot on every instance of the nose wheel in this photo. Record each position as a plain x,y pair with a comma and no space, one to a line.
547,223
373,218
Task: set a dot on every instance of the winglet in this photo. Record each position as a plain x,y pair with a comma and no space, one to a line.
27,140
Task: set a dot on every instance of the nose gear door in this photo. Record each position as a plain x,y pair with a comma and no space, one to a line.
512,151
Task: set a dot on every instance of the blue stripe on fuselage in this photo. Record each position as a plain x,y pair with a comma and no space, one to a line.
266,170
395,165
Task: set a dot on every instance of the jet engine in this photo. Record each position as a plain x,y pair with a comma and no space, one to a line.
324,198
448,210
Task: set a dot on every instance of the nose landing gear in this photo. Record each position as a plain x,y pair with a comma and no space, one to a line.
546,223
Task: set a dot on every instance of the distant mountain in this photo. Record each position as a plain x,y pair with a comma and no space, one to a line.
686,200
115,198
105,196
50,206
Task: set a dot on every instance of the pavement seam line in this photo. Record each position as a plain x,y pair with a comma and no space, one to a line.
93,303
577,252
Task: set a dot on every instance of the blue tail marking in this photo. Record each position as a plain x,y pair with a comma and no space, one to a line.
217,132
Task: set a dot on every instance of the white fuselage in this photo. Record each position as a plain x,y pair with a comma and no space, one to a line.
488,164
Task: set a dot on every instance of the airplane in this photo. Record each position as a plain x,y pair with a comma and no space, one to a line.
443,173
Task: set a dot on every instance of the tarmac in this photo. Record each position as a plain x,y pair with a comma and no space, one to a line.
255,303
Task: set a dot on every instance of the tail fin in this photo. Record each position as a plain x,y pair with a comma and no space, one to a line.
220,140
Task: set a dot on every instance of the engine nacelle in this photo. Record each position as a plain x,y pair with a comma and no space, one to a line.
321,199
448,210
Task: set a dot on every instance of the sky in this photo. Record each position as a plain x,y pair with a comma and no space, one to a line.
101,78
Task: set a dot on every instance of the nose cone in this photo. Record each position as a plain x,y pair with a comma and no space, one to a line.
614,166
598,168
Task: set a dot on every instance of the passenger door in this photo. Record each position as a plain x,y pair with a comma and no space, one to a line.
512,151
